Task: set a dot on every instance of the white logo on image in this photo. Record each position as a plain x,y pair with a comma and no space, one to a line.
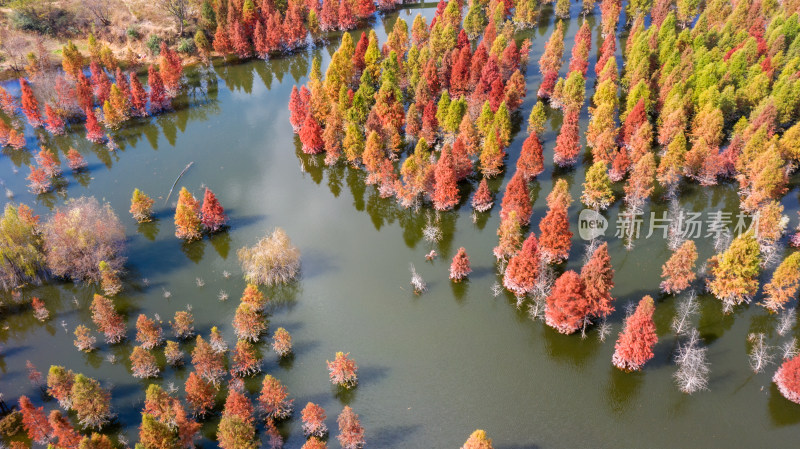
591,224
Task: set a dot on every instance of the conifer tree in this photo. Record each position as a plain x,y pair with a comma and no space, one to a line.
787,378
523,268
282,342
555,238
63,431
108,321
91,403
784,284
35,421
734,273
207,363
159,101
567,306
148,333
351,434
597,192
141,206
200,394
460,267
517,199
482,199
634,346
598,280
478,440
187,216
30,106
445,195
245,360
550,61
138,96
678,271
213,215
568,141
94,133
313,417
53,122
343,371
143,363
274,400
311,136
531,160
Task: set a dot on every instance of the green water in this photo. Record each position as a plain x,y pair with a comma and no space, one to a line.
432,368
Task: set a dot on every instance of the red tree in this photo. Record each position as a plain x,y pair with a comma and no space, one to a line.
523,268
148,333
207,362
459,268
108,321
314,420
84,92
366,8
351,434
635,343
517,199
346,19
159,101
30,106
787,378
138,96
482,200
445,192
567,307
246,359
274,400
298,109
94,132
568,140
100,82
67,437
200,394
311,136
34,421
329,19
75,161
53,123
531,161
555,238
214,217
170,68
598,280
343,370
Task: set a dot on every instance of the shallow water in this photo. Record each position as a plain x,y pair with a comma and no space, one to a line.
432,368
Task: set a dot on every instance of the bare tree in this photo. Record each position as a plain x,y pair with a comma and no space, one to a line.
100,10
14,46
416,281
179,9
789,349
686,310
787,320
693,370
760,355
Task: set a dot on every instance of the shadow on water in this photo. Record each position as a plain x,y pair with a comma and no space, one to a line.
623,390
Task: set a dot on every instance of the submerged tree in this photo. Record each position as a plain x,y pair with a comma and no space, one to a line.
343,370
84,340
635,343
213,214
482,200
282,342
478,440
351,434
79,236
734,273
236,429
143,363
21,246
208,363
787,378
678,271
523,268
598,280
567,306
91,403
108,321
314,420
200,394
141,206
274,400
187,216
460,268
784,284
273,260
35,421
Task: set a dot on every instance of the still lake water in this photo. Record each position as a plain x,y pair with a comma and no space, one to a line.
432,368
